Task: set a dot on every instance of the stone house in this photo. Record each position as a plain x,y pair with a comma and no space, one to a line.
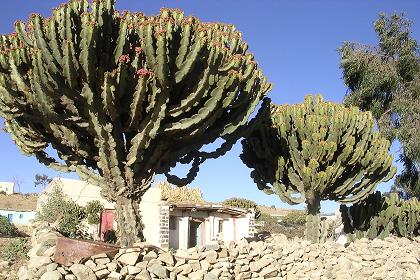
19,209
169,223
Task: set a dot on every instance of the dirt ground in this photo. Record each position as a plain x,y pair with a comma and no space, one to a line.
10,272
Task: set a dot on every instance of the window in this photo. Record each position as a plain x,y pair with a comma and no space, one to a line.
220,228
172,223
20,216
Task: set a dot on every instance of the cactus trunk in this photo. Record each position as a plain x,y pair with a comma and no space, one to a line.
313,219
129,225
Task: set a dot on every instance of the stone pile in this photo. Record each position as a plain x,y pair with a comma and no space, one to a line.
274,258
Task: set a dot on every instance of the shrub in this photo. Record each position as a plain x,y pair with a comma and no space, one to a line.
271,225
242,203
16,248
6,228
93,212
69,215
294,218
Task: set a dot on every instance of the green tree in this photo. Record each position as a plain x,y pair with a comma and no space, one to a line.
386,81
124,96
42,180
317,151
59,208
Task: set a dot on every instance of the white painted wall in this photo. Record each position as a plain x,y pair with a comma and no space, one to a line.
7,187
22,218
234,229
150,211
79,191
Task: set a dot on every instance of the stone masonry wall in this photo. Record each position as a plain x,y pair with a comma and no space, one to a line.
274,258
164,226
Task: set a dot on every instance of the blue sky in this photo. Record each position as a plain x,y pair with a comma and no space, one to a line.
294,42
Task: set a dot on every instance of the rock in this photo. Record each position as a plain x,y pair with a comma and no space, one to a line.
143,275
70,277
210,256
103,261
101,274
114,276
158,270
150,256
4,264
62,270
196,275
212,247
133,270
167,258
38,261
211,276
205,265
195,265
269,271
129,258
112,266
124,271
22,273
183,269
82,272
52,267
52,275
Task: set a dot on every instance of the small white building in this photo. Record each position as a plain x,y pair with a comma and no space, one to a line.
7,187
19,209
167,224
205,223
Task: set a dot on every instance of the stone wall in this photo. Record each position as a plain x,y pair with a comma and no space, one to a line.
273,258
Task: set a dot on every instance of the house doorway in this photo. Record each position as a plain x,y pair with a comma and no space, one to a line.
195,233
107,222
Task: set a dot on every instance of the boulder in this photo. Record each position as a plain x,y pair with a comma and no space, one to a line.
82,272
158,270
52,275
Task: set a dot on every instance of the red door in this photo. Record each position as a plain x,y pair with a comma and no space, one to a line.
107,221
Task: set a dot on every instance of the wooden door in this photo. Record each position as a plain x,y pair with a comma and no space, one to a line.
107,221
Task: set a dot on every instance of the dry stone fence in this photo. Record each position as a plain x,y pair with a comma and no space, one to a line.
274,258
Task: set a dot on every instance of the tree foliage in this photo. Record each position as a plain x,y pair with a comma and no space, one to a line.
93,211
42,180
122,96
385,80
317,151
58,208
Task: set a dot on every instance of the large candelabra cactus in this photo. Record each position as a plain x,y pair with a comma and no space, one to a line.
320,150
123,96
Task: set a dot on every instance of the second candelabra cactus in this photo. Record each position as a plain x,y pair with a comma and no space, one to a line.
317,151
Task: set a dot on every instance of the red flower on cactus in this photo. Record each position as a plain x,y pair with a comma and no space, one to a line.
138,50
143,72
124,58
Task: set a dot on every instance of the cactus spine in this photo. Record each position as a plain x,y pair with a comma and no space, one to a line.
379,216
317,150
123,96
